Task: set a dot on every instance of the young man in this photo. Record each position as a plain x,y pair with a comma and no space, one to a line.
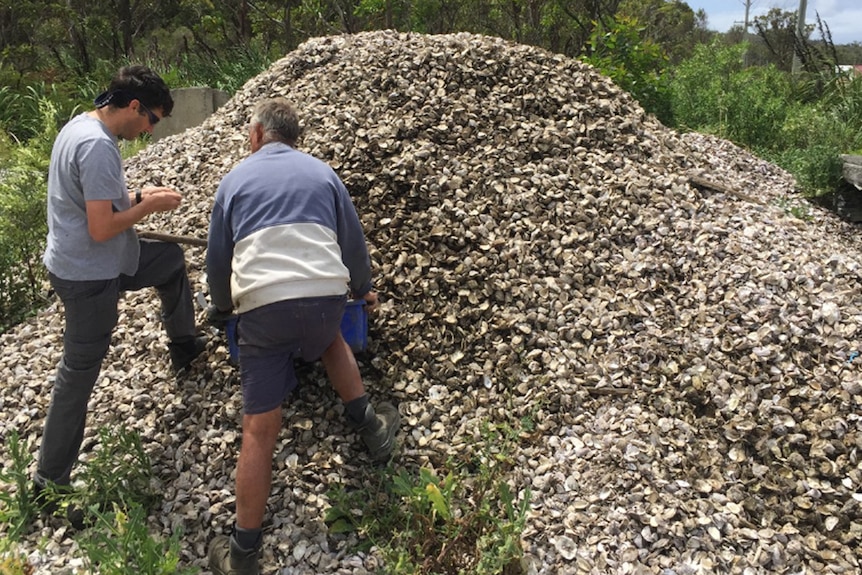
285,249
93,255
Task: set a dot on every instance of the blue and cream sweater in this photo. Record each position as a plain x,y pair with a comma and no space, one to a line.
283,227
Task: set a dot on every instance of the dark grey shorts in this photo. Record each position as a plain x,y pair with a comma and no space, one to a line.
272,337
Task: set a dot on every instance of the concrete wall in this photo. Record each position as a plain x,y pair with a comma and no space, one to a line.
191,107
853,170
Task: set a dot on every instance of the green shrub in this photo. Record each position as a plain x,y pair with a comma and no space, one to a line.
713,92
634,63
23,227
811,150
814,135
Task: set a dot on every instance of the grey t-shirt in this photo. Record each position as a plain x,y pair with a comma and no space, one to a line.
86,165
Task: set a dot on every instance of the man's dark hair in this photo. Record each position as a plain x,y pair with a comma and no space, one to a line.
139,83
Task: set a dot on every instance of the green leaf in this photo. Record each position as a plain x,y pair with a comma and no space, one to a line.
438,502
342,526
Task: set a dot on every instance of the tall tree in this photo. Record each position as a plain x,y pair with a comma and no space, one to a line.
777,30
671,24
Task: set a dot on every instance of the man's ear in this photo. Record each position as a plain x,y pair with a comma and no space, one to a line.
255,136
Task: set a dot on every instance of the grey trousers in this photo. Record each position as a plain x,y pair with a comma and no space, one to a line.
91,315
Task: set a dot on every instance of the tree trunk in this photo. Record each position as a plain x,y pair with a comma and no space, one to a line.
79,43
244,23
124,15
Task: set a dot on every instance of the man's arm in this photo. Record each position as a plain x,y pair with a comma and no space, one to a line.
351,240
218,261
104,223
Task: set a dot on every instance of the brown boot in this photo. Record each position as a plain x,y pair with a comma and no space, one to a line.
378,430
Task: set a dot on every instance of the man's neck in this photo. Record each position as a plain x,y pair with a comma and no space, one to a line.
107,117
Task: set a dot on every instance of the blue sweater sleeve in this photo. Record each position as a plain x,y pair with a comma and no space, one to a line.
219,254
351,240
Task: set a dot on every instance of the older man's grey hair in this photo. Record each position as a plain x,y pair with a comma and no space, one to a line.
279,120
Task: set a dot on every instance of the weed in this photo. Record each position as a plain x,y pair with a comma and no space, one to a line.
115,494
120,543
464,519
12,561
16,506
117,472
797,208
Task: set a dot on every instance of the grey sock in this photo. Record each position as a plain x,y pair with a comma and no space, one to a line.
355,409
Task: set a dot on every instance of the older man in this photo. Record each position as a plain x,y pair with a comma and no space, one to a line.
285,250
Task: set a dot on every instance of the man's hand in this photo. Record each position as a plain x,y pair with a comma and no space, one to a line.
159,199
104,223
371,301
218,318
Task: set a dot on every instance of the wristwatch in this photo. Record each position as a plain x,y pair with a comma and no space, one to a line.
138,196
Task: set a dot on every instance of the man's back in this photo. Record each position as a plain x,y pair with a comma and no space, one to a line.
284,225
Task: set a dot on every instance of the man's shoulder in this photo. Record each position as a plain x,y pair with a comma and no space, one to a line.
81,130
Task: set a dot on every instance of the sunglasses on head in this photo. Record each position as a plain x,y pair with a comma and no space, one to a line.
107,97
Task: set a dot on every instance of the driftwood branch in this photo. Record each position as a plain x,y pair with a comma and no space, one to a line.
608,390
701,182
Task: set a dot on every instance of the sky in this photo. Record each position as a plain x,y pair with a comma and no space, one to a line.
844,17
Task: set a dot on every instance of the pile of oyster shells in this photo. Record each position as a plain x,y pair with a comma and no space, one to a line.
679,326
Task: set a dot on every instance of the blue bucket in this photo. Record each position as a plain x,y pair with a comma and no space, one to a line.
354,329
354,325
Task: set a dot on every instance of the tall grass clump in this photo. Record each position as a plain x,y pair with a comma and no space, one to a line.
226,71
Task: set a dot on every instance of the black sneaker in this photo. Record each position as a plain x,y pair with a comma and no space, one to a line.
183,353
49,501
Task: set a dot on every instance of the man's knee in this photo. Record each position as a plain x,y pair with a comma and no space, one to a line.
262,426
160,261
85,356
173,258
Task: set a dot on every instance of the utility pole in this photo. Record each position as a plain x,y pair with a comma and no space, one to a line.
800,30
745,33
